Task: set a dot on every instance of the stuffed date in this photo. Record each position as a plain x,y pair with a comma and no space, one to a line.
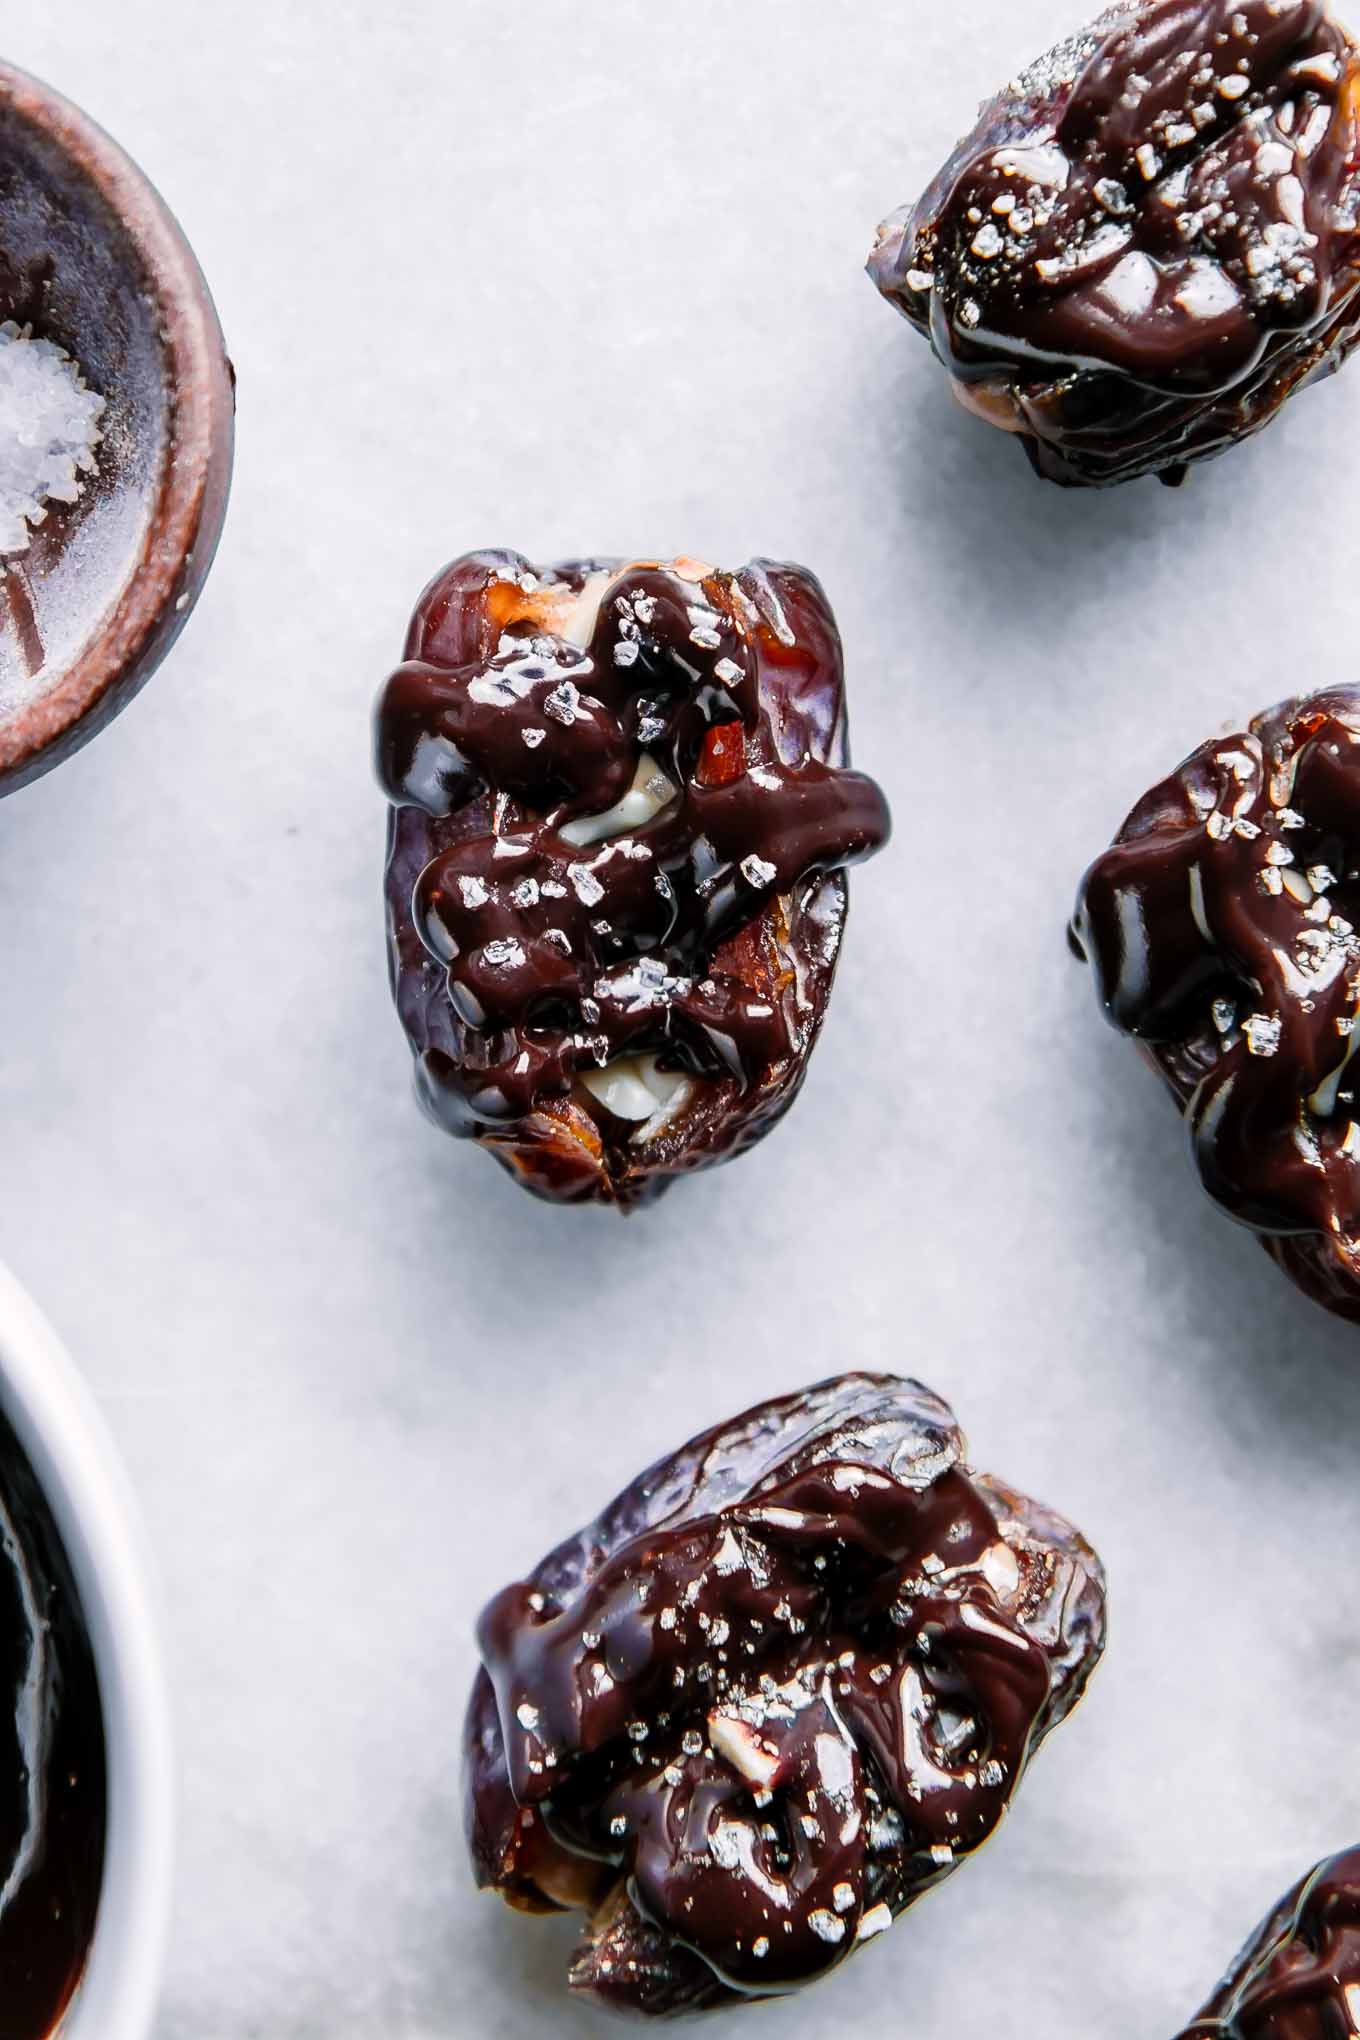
1221,931
621,817
1298,1978
788,1681
1150,240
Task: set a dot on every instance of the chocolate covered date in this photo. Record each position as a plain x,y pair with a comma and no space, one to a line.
616,891
1150,240
786,1683
1298,1978
1221,929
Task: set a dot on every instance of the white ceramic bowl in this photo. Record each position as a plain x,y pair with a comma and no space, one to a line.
88,1493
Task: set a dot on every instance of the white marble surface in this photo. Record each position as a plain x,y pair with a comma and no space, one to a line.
572,279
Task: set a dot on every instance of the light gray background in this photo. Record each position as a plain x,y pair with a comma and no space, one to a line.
589,279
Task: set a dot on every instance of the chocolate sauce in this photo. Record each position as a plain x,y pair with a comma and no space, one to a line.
1221,926
1298,1978
52,1765
530,946
787,1683
1150,239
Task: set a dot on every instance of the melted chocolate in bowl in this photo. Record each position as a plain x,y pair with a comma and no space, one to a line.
1298,1978
92,261
1221,926
621,817
53,1796
786,1683
1149,240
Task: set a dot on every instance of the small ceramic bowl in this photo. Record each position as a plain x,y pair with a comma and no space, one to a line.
60,1430
92,260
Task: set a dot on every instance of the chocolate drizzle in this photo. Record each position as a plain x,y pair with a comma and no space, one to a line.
1298,1978
1149,240
786,1684
601,776
1222,929
53,1802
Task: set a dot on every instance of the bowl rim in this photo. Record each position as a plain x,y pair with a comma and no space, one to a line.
185,524
73,1456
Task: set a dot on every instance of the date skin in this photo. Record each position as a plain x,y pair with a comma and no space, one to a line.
535,942
1298,1978
1221,931
785,1684
1149,241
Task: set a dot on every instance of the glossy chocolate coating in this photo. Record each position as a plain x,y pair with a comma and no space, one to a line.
706,933
1221,928
53,1797
784,1685
1298,1978
1149,240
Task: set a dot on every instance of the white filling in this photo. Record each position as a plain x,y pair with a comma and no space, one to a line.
577,618
1001,1570
632,1087
743,1750
649,793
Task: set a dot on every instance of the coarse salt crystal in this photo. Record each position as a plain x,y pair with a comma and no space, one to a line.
49,428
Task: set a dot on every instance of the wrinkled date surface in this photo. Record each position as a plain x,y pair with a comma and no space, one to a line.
1221,926
621,816
785,1684
1150,239
1298,1978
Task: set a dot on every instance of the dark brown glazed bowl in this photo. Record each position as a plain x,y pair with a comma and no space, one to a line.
92,259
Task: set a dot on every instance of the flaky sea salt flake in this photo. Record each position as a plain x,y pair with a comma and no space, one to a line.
49,428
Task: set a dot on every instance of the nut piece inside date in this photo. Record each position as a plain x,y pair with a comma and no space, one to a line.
788,1681
1149,240
621,817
